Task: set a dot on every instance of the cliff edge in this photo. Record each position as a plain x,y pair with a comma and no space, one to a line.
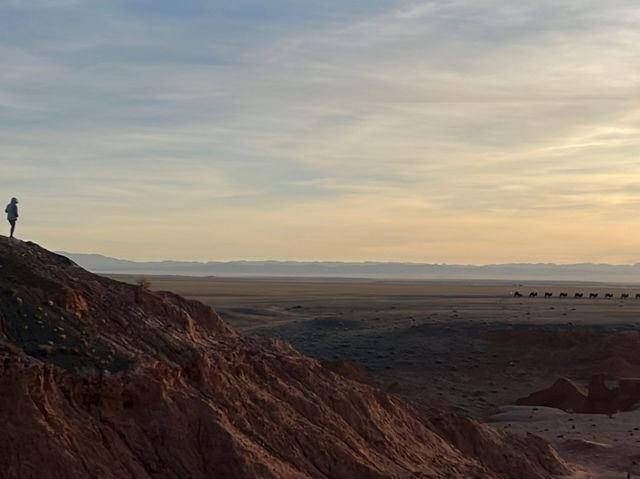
109,380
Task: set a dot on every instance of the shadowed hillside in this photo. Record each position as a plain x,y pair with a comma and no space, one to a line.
104,379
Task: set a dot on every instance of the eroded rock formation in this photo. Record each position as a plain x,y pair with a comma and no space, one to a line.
104,379
602,396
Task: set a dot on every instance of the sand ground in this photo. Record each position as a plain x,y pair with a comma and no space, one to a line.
473,348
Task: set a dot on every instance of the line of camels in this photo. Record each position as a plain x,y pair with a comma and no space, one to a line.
534,294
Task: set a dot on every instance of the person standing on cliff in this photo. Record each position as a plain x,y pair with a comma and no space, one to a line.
12,214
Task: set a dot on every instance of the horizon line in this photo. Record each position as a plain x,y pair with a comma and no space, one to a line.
355,262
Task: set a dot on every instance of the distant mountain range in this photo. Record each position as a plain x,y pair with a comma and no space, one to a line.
587,272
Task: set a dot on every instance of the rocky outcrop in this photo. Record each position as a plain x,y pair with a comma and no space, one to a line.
563,394
601,396
104,379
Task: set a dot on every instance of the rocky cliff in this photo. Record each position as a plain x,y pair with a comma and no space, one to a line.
108,380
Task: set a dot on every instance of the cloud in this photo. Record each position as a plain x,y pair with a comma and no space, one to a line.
371,116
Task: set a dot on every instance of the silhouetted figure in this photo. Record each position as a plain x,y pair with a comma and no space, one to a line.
12,214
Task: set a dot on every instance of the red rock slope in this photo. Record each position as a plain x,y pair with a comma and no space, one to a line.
107,380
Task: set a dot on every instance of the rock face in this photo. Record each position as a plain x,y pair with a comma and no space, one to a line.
104,379
563,394
621,394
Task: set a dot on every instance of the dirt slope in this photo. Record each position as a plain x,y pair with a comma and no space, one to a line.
103,379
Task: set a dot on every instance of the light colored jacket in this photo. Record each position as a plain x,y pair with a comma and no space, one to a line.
12,211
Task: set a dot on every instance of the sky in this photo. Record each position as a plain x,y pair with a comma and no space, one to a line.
459,131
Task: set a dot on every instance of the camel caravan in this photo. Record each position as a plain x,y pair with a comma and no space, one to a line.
547,294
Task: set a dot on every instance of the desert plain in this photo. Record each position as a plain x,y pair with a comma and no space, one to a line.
471,347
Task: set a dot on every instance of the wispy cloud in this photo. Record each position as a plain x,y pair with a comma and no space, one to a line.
382,120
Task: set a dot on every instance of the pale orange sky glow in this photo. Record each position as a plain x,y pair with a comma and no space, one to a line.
470,132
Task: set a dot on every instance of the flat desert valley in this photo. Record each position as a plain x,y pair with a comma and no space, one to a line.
474,348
